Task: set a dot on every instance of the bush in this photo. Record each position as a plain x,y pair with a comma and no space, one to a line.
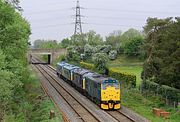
87,65
105,48
123,77
100,61
72,54
62,57
113,54
88,50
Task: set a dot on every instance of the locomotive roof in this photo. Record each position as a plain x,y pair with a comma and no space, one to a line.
66,65
62,63
98,78
70,67
81,71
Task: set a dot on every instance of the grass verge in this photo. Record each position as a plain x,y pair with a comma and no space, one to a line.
42,113
134,100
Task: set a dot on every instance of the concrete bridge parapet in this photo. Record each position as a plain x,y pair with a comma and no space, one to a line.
52,53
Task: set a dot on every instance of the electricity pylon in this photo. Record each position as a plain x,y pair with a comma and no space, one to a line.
78,26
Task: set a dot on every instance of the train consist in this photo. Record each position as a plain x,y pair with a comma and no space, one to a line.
102,90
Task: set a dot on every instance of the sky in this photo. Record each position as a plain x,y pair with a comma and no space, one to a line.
54,19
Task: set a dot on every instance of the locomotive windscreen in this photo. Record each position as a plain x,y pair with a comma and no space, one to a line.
110,83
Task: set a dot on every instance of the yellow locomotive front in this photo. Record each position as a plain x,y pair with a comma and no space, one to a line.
110,94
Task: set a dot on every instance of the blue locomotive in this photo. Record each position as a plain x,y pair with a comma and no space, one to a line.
102,90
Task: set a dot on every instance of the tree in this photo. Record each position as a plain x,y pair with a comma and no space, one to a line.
100,61
50,44
6,86
88,50
14,3
131,41
133,46
93,38
37,43
73,54
78,40
162,47
114,39
14,35
130,34
46,44
66,42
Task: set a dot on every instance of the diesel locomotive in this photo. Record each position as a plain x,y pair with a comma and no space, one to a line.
102,90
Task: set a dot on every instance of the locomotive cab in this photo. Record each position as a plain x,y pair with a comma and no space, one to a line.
110,94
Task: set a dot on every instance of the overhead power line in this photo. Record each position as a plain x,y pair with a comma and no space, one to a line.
89,17
130,11
108,24
113,18
49,19
48,11
104,9
50,26
99,24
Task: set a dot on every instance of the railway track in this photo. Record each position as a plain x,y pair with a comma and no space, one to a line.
120,117
82,111
79,109
117,115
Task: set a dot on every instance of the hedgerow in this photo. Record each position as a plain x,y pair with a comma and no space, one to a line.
170,94
124,78
87,65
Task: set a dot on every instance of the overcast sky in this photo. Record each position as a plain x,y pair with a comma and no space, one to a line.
53,19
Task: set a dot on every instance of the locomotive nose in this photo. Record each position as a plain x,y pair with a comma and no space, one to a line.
111,94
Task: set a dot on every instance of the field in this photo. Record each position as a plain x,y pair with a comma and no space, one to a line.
130,65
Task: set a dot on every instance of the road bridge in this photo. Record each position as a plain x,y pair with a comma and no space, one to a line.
51,53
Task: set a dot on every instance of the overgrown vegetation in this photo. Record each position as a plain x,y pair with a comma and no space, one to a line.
14,35
36,105
19,91
162,46
162,61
